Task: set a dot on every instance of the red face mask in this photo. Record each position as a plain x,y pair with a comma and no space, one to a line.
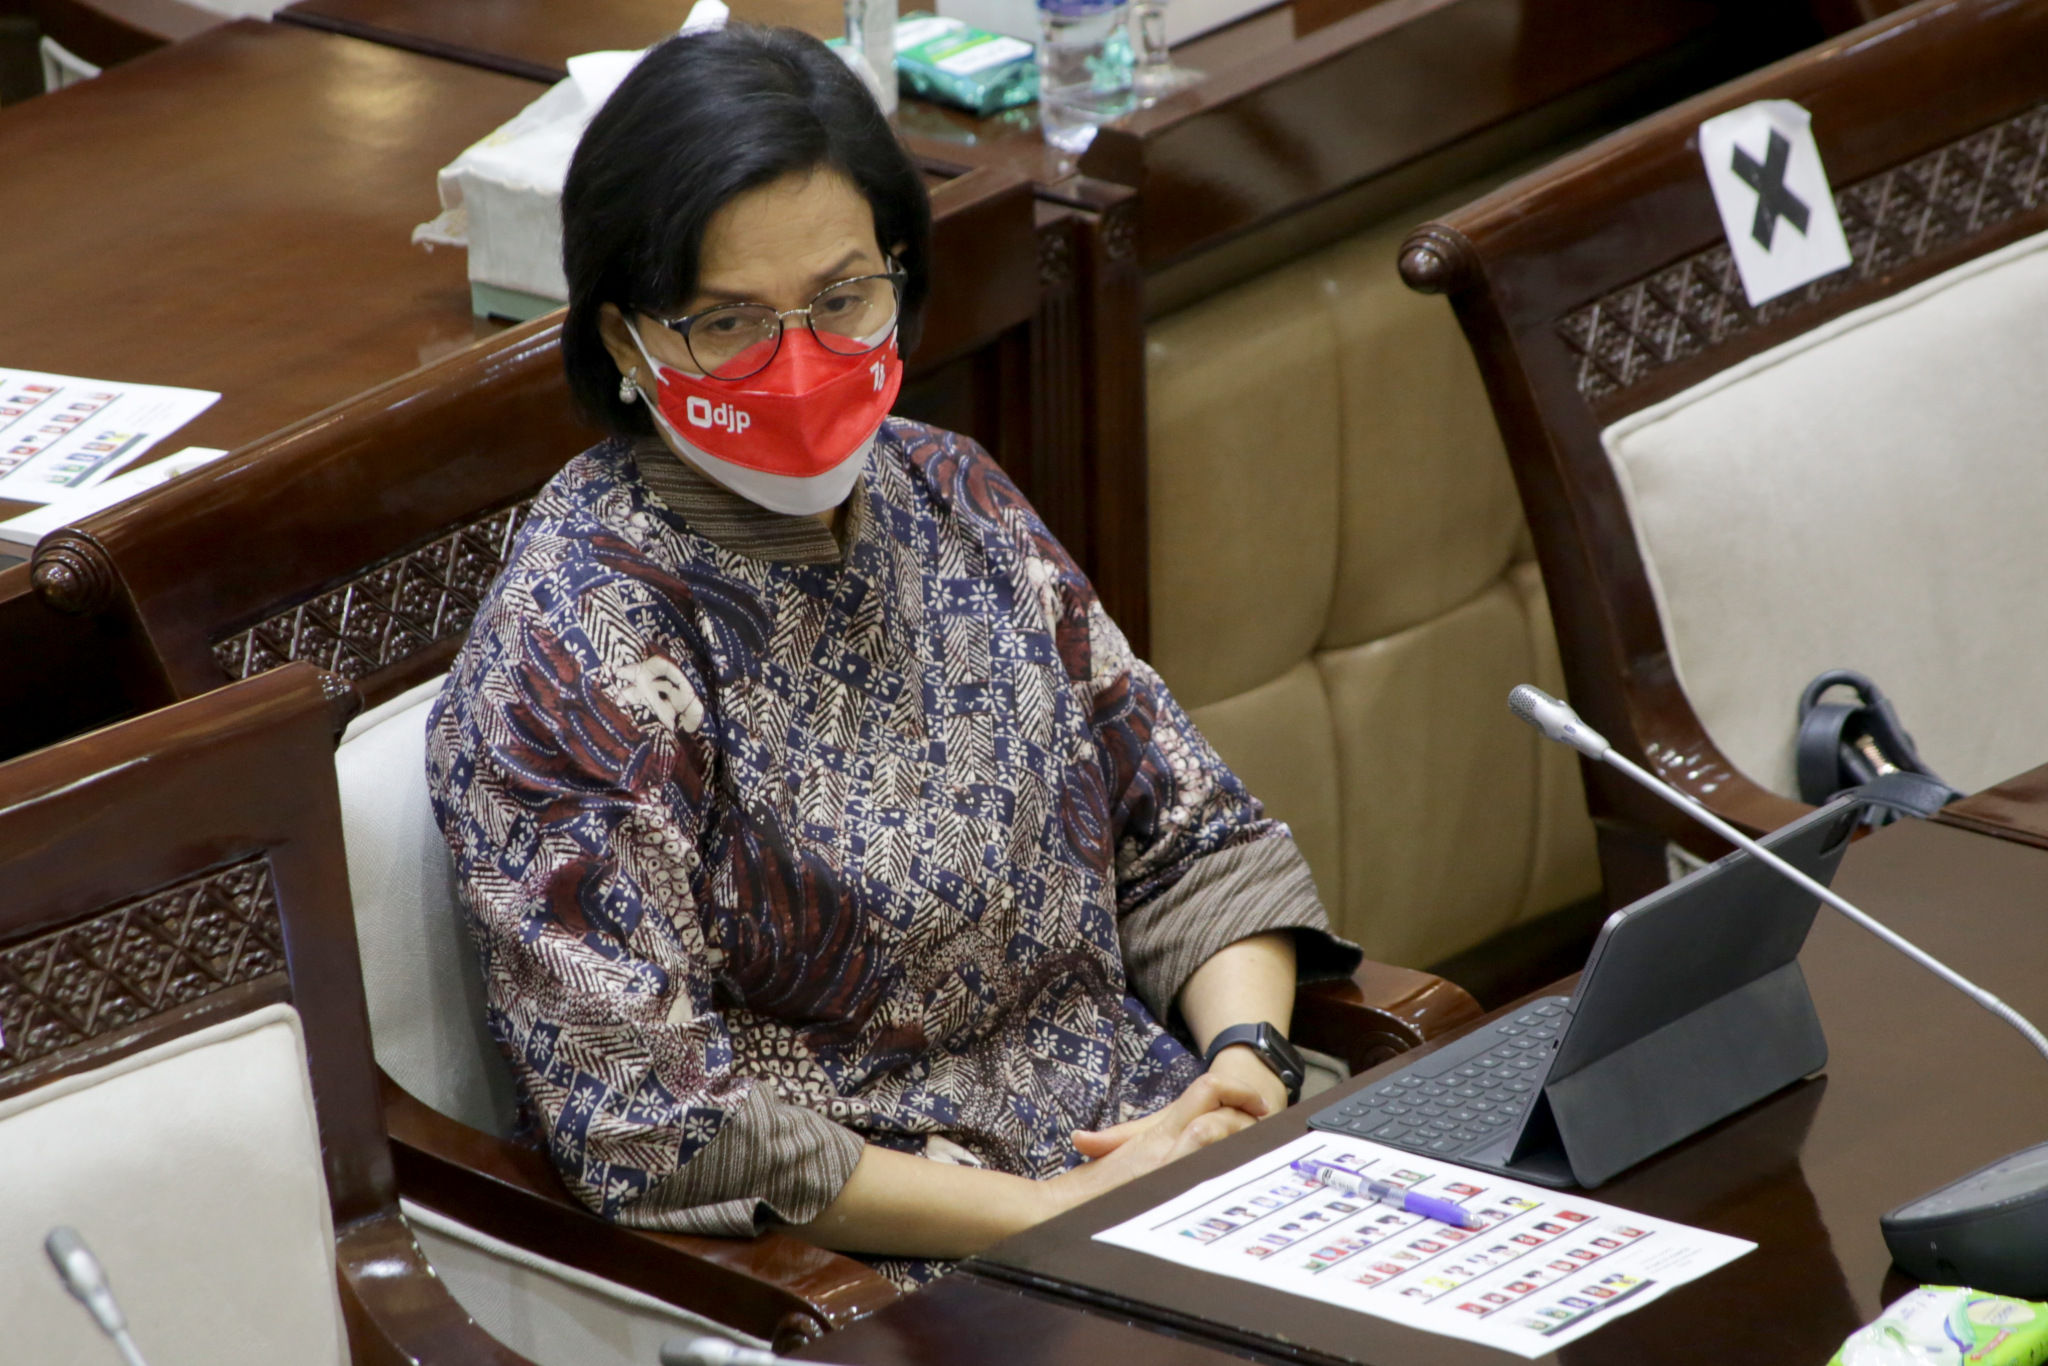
785,437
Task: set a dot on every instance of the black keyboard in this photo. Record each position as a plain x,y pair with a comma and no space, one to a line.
1463,1097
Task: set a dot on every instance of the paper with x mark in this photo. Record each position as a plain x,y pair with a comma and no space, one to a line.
1773,194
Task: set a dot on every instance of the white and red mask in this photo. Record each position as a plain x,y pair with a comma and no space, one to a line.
792,438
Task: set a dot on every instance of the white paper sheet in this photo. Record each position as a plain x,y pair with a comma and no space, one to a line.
1547,1268
31,527
1772,193
61,433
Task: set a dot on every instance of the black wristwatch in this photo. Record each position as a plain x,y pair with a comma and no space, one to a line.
1272,1049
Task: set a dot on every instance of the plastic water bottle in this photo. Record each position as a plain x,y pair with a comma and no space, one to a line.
1084,69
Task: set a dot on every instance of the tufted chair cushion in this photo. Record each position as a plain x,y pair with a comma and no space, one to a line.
1342,596
1871,495
192,1169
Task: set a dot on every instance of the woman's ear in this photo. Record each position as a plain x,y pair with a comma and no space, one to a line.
618,341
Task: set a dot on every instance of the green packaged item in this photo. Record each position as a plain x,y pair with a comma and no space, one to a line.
953,63
1943,1325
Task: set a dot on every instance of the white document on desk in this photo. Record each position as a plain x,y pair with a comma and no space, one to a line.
61,433
1547,1268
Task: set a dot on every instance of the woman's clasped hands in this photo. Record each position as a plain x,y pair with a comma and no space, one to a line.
1213,1107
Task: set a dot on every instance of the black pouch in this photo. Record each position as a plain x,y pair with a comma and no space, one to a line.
1861,746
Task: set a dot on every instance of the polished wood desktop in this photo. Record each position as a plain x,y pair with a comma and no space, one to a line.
235,213
964,1320
1921,1087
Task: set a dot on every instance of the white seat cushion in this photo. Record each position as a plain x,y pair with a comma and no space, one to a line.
193,1171
1872,495
425,992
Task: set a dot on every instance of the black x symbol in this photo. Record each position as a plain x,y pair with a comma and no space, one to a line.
1773,200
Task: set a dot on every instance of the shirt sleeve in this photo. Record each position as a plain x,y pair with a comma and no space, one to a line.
1199,864
570,782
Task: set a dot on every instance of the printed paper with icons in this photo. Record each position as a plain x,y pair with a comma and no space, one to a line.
1545,1268
60,433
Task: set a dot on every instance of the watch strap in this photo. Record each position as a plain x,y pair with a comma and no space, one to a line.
1271,1048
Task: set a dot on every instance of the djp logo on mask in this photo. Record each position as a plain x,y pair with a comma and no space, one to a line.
702,412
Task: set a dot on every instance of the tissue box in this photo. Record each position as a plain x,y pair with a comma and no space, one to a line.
502,198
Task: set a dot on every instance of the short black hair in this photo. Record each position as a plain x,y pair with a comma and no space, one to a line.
703,117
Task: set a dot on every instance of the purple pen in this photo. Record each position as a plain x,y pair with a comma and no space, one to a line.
1386,1192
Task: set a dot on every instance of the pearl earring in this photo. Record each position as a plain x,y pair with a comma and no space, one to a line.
629,391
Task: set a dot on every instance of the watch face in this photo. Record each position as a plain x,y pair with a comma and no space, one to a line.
1293,1067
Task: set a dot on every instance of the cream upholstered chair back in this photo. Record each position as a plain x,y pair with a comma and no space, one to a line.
420,974
1342,595
1728,499
192,1169
1872,494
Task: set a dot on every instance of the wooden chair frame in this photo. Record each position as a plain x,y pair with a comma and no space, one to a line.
218,807
1602,285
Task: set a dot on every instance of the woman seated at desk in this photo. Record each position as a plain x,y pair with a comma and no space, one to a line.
832,861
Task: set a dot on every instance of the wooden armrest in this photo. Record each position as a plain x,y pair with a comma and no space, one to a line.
774,1286
397,1311
1380,1012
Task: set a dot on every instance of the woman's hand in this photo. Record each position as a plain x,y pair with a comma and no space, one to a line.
909,1206
1213,1107
1242,1065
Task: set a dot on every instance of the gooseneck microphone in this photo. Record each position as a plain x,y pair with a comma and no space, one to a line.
87,1281
1559,722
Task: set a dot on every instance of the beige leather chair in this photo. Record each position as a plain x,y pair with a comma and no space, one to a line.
1343,593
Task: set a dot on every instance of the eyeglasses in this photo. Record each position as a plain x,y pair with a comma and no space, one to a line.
733,341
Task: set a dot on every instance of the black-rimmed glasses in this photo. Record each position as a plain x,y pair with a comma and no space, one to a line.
734,341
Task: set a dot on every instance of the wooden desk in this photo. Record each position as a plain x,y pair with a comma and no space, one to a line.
1304,98
964,1319
1921,1087
235,213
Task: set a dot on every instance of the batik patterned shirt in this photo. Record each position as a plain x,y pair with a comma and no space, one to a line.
772,848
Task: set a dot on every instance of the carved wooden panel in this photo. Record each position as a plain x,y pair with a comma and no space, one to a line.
392,610
1895,217
138,960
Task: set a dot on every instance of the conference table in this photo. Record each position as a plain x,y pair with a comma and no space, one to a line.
1921,1087
1301,98
235,213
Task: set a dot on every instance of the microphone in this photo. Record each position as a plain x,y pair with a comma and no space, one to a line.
1985,1230
87,1281
712,1351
